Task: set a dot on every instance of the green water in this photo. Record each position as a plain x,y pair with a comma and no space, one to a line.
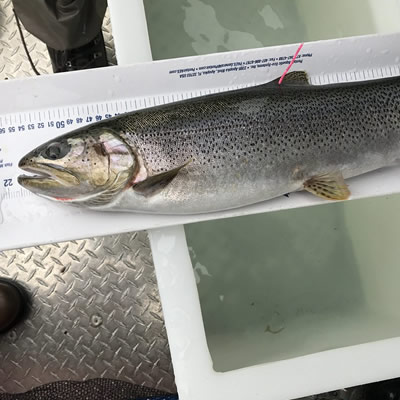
291,283
179,28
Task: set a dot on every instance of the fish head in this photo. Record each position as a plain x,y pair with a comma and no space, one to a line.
89,164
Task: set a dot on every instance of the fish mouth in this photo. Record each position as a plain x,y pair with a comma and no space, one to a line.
46,176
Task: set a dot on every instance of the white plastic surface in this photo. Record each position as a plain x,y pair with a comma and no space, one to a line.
280,380
130,33
31,220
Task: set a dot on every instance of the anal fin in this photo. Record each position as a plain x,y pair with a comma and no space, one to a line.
330,186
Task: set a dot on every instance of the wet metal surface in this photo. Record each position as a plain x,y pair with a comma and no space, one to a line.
95,313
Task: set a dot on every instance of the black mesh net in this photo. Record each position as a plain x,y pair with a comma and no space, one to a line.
94,389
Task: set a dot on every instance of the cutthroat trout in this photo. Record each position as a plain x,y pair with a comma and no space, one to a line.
224,150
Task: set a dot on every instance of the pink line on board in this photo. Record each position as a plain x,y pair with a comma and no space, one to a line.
291,63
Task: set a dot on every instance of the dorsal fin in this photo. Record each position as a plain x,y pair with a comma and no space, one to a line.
292,78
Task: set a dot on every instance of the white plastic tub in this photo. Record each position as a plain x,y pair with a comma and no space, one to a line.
292,303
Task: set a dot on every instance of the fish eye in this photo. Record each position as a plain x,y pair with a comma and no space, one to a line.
55,151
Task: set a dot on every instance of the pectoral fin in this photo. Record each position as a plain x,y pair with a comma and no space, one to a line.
329,186
156,183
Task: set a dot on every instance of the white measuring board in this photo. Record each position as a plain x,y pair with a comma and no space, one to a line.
37,109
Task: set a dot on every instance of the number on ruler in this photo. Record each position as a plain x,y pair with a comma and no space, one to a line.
7,182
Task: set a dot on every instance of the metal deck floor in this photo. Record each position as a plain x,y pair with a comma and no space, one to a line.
95,309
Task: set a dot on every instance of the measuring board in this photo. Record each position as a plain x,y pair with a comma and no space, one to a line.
35,110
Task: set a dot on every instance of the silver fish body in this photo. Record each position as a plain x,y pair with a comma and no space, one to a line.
254,144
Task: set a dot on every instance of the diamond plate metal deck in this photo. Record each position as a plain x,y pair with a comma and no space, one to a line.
14,62
95,313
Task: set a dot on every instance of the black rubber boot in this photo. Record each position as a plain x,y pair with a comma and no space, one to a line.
91,55
12,304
